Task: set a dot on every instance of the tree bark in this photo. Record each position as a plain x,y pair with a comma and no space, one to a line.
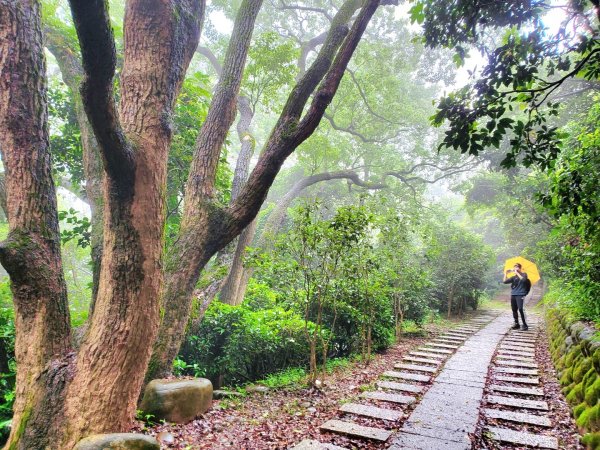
206,228
196,244
96,390
31,253
64,50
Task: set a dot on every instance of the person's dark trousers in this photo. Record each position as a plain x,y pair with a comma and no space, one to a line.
516,303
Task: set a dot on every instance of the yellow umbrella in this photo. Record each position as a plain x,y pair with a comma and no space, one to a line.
526,266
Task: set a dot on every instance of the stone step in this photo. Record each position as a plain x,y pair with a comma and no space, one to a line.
388,397
416,368
458,333
510,416
355,430
516,371
432,362
438,345
311,444
504,362
406,376
451,341
516,353
517,402
517,390
519,344
428,355
515,358
395,386
524,380
371,411
436,350
517,349
520,438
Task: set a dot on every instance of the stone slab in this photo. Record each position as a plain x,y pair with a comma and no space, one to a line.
457,333
462,375
524,380
446,434
409,441
520,438
311,444
517,390
387,397
431,362
352,429
436,350
438,345
416,368
394,386
519,344
516,353
527,364
510,416
516,348
406,376
428,355
450,337
516,371
517,402
515,358
371,411
117,441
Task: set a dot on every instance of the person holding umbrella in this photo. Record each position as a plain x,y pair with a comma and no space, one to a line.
519,288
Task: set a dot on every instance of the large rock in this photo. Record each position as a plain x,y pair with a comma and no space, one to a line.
118,441
177,401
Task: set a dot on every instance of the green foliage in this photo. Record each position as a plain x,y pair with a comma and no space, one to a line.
7,359
235,344
65,138
77,227
510,98
459,261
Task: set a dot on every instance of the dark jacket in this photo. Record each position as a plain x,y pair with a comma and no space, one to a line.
518,286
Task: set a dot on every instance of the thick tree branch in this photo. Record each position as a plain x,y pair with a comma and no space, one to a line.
222,110
206,52
288,133
92,22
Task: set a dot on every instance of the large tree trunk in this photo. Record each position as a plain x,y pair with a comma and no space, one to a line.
206,228
196,243
31,253
95,390
64,50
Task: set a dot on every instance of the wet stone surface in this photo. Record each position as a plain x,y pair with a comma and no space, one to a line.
517,417
517,402
406,376
517,390
311,444
371,411
387,397
523,380
352,429
416,368
520,438
394,386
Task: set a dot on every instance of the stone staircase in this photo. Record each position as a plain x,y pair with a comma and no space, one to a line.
514,411
378,413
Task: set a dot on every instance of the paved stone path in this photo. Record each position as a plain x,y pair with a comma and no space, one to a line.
449,411
453,372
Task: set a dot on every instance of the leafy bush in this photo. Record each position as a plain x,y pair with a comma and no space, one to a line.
235,344
7,360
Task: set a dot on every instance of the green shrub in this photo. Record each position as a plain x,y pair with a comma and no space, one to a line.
8,366
234,344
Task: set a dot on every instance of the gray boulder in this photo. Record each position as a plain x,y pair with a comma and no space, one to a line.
177,401
118,441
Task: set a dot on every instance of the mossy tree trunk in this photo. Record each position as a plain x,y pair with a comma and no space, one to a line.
206,228
62,396
31,253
